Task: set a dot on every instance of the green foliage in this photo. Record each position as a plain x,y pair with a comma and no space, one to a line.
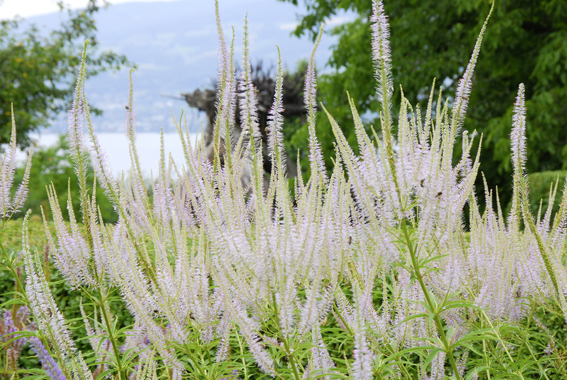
69,303
526,41
540,186
37,72
53,165
536,344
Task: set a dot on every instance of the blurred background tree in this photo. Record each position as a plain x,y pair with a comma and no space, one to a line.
526,42
38,72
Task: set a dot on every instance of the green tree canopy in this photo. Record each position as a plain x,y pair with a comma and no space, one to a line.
37,73
526,42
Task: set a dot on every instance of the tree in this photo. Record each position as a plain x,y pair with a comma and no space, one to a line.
264,80
526,42
38,73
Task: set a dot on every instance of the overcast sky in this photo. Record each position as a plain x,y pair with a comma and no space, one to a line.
28,8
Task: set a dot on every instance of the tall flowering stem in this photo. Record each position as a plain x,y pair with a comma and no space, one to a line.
46,313
464,87
130,124
226,95
275,123
518,139
11,205
250,125
75,256
317,163
248,102
76,125
434,306
383,72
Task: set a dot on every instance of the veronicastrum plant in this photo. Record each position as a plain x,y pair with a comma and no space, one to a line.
11,203
365,272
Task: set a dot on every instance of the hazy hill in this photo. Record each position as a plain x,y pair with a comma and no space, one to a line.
174,45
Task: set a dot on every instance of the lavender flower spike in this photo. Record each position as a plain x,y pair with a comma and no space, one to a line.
518,140
362,366
9,206
76,118
76,123
8,168
247,101
382,59
275,121
130,120
518,134
47,362
315,154
226,92
12,342
518,145
465,84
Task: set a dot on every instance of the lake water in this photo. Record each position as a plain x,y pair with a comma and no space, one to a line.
116,147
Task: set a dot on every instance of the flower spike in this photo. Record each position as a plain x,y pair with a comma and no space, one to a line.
315,154
275,122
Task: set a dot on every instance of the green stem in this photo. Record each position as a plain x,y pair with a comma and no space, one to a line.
115,348
242,357
195,362
541,370
11,266
429,300
349,330
284,340
501,341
